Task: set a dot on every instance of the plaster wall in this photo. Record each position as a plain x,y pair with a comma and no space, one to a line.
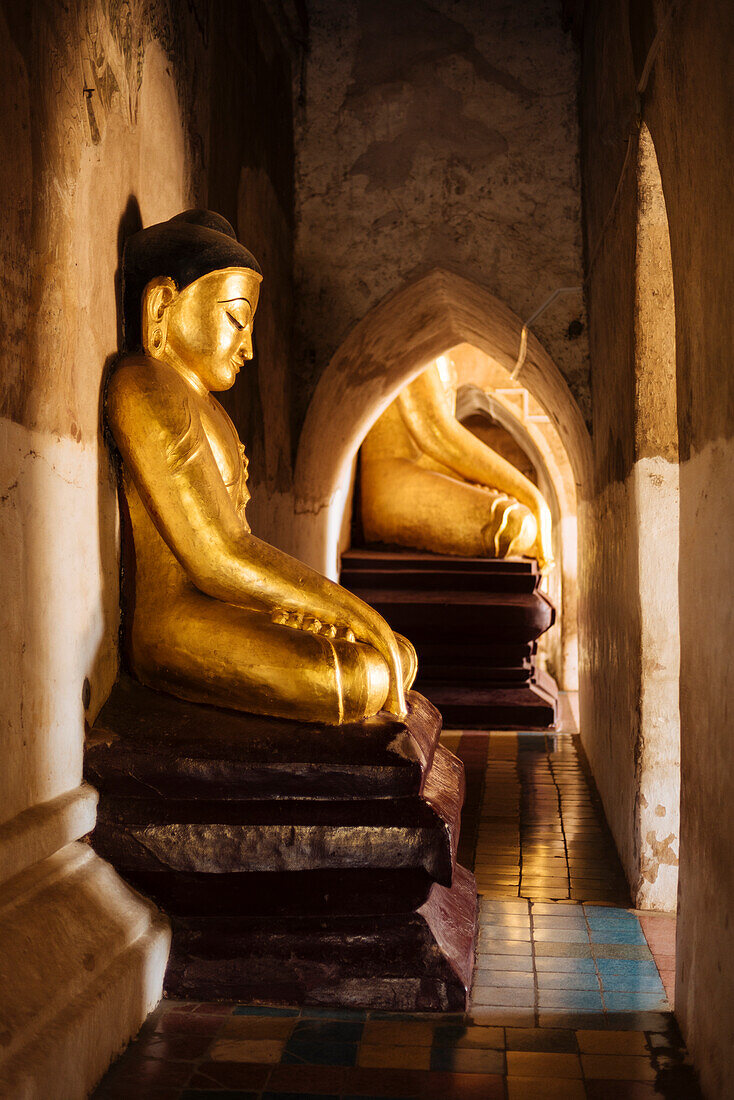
107,123
669,62
59,513
436,135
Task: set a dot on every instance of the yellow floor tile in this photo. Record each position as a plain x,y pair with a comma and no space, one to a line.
256,1027
407,1033
617,1067
535,1088
523,1063
247,1050
612,1042
396,1057
482,1038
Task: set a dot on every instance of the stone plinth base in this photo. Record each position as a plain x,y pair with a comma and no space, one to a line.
419,960
81,966
475,623
298,863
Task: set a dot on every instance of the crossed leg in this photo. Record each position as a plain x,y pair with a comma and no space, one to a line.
408,504
213,652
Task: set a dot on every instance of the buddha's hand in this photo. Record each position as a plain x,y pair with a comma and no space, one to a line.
298,620
373,630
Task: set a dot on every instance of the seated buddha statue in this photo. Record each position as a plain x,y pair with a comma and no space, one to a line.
212,613
429,483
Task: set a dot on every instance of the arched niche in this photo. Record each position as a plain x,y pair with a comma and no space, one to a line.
389,347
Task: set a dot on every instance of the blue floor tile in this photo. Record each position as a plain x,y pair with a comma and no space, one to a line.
633,983
613,922
596,914
635,1002
558,964
631,951
549,980
631,968
308,1053
334,1013
573,999
618,935
327,1031
264,1010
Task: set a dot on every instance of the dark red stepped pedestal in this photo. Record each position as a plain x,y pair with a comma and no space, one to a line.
475,623
299,863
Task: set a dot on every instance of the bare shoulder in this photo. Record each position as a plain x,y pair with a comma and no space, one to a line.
147,392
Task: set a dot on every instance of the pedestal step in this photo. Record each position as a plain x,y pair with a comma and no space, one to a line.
467,707
406,961
289,853
475,624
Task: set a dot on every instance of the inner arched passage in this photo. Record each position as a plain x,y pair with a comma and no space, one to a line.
387,349
489,399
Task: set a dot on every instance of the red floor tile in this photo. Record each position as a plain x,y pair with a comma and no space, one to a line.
230,1075
332,1080
190,1023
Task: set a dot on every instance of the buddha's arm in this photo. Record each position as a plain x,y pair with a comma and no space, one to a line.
436,431
157,429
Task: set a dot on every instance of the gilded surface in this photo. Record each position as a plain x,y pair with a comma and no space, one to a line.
429,483
216,614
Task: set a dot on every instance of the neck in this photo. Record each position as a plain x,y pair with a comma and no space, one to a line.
186,373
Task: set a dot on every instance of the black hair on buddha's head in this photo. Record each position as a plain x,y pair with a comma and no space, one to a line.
184,248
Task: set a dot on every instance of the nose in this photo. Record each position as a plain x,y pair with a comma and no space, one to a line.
246,346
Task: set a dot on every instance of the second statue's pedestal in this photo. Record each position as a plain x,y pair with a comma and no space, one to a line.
300,864
475,623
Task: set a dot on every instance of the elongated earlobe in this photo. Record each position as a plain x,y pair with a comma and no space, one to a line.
158,295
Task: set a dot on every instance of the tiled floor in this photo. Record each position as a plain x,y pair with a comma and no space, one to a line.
567,1000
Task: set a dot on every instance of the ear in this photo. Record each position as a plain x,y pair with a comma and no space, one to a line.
158,295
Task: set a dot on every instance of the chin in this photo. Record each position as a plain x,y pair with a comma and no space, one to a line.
225,380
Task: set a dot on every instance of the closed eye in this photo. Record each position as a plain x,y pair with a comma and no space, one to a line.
234,320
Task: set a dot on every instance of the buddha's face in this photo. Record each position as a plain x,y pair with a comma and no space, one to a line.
206,327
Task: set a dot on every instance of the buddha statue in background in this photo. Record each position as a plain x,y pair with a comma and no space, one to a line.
213,614
427,482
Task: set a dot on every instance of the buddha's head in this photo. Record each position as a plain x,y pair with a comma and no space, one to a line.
190,292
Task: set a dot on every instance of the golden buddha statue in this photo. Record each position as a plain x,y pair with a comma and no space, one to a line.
213,614
427,482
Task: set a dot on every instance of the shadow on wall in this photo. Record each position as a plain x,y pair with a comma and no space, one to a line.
110,528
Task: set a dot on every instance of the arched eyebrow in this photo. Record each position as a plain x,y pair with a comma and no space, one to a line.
226,301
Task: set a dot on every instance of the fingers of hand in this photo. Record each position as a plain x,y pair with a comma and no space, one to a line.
298,621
